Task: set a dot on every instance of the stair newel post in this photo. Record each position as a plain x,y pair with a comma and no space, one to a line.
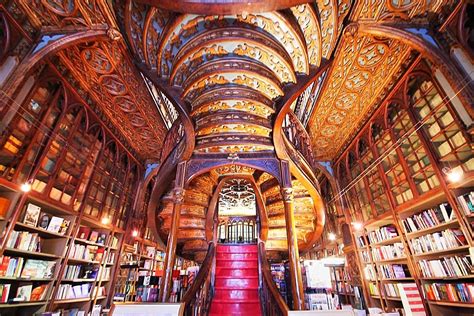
178,200
292,238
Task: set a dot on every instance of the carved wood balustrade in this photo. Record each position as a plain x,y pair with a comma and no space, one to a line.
273,302
297,136
197,299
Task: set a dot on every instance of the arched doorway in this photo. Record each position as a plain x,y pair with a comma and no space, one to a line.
237,213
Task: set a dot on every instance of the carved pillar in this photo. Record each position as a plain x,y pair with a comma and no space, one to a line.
292,238
178,197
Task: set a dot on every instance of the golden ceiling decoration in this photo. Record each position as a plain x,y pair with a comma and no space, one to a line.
362,68
109,76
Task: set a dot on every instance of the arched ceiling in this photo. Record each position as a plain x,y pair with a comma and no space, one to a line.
231,66
231,69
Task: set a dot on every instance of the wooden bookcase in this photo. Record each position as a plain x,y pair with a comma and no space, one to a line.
141,269
411,180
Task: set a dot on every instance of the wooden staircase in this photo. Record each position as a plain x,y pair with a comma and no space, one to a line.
236,281
304,214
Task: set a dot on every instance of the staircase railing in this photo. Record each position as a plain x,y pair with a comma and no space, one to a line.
198,298
271,299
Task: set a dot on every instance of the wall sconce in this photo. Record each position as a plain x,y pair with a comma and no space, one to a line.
26,187
453,175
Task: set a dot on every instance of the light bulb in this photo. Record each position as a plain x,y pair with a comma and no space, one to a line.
26,187
105,220
135,233
454,175
332,236
357,225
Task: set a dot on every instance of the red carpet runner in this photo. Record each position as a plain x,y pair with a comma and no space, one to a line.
236,285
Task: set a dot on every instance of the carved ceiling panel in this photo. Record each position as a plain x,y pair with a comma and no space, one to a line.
108,74
383,10
362,69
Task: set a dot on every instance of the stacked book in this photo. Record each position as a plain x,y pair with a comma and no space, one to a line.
4,292
429,218
73,272
461,292
373,289
24,241
394,271
360,241
83,252
114,242
446,267
391,290
466,201
383,233
105,273
69,291
388,252
444,240
38,269
369,272
11,267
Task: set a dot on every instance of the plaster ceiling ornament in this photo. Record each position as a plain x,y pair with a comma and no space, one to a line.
237,198
362,69
106,72
231,68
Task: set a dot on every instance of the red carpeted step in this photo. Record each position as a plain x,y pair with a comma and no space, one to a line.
237,256
237,264
236,282
228,294
237,249
222,272
239,283
235,308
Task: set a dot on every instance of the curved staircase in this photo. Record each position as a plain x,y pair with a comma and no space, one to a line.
236,281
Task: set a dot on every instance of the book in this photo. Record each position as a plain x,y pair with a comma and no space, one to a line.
83,232
39,293
23,294
55,224
44,221
101,239
93,237
4,292
4,206
34,269
32,214
64,226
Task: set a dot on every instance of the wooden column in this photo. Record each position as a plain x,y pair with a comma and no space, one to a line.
292,238
170,256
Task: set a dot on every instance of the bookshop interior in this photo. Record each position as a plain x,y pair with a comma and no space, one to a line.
231,157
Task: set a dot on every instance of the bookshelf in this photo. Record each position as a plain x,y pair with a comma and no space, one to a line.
141,269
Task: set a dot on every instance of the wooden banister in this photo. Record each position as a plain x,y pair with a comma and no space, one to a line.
197,299
271,299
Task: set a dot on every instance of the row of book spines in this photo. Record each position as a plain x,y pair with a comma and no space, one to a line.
467,202
454,292
443,240
429,218
373,289
383,233
83,252
23,240
446,267
69,291
391,290
388,252
11,267
395,271
79,271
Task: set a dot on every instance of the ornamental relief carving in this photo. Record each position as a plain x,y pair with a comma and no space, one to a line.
107,75
363,68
